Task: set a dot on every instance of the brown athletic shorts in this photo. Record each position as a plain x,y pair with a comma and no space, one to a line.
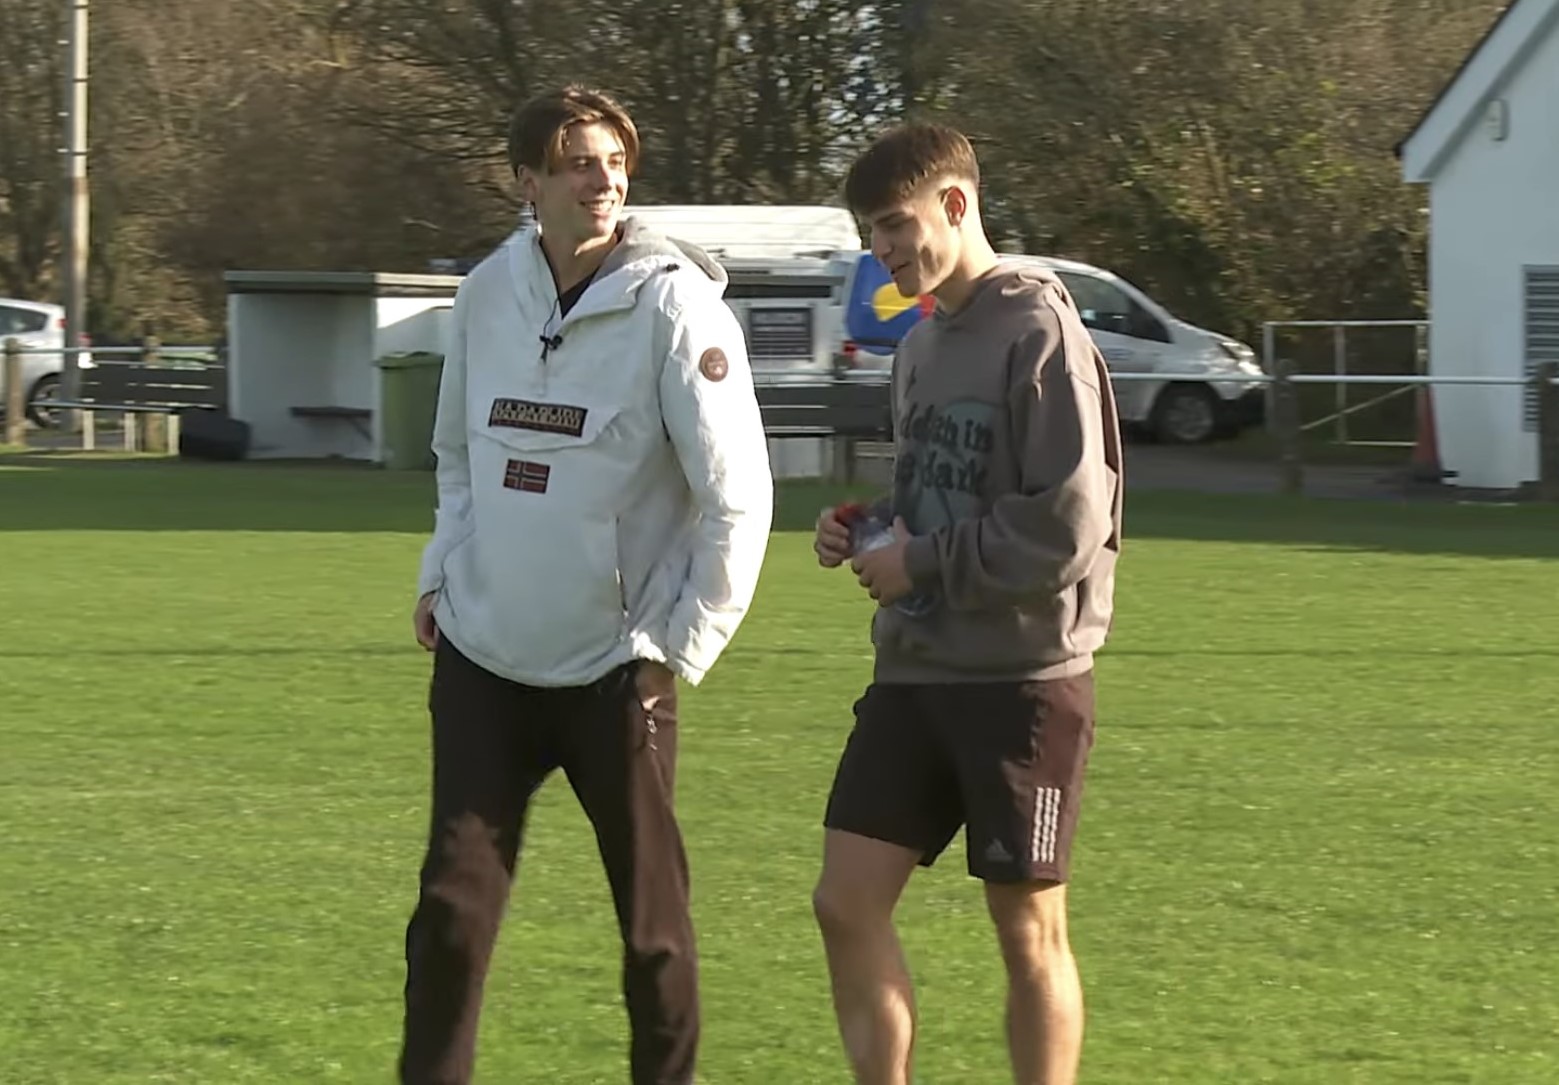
1003,759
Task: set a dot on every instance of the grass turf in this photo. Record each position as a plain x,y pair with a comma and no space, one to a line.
1318,843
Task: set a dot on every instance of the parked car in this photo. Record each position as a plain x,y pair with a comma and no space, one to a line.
41,326
1133,332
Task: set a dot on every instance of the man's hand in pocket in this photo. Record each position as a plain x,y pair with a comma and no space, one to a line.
654,682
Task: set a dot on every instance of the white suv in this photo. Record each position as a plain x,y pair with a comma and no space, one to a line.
37,325
1133,332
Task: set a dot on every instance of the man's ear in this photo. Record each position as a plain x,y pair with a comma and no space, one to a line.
530,184
956,204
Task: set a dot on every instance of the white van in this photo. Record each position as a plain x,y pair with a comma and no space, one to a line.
1133,332
756,231
784,287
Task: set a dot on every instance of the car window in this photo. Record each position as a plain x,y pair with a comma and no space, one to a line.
1107,308
14,321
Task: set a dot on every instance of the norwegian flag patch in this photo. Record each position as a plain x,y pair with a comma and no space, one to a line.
527,477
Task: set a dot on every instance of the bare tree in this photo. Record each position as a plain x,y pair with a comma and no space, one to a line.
1231,155
31,86
1234,155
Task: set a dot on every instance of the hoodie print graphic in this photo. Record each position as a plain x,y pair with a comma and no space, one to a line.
944,463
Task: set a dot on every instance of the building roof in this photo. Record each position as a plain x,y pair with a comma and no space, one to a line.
1499,54
375,283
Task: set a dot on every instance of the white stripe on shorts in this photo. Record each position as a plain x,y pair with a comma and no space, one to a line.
1047,820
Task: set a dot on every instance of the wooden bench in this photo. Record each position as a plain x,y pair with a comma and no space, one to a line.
135,389
861,410
844,411
358,417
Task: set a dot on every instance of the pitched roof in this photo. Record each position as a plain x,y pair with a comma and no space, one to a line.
1504,47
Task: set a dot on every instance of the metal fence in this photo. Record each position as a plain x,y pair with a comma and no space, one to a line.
1287,428
1342,411
146,425
1283,414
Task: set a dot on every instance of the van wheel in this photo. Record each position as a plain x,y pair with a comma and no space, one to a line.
43,392
1185,414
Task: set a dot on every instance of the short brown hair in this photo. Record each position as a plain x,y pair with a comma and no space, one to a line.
539,127
900,159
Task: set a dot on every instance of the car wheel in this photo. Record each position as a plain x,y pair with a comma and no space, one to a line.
38,410
1185,414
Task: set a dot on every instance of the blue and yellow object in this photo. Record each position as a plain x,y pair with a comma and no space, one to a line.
877,316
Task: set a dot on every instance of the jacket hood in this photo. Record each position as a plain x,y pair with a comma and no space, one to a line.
640,256
640,242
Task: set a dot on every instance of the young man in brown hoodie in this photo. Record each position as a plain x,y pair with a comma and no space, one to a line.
994,591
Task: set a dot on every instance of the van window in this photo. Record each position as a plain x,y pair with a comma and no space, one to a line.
1107,308
21,321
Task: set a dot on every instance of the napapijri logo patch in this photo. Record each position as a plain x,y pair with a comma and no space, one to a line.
526,476
542,417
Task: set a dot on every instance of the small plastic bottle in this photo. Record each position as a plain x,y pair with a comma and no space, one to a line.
871,531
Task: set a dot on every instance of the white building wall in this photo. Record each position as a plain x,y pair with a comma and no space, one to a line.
1494,211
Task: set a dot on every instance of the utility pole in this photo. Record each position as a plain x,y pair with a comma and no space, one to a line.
78,199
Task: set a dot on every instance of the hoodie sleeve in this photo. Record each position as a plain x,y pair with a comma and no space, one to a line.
453,519
1045,537
711,413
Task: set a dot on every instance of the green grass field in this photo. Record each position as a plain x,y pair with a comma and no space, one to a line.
1319,843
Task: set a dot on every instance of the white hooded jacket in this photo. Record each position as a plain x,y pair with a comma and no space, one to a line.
604,491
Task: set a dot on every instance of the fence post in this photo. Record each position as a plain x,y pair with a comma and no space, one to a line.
15,395
1285,426
844,459
1340,365
1548,431
153,426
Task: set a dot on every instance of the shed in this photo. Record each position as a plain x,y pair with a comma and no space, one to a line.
1488,148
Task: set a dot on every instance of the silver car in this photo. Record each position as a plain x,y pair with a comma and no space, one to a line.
39,326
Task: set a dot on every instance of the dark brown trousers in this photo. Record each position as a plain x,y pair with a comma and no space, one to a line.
494,742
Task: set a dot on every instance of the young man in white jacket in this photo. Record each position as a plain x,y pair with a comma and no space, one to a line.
604,501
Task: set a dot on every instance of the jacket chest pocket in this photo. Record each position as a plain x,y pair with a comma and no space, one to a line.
571,450
548,574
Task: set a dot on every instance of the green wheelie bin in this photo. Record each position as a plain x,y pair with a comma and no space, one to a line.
408,398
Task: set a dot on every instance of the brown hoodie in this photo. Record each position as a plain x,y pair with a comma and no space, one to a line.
1008,474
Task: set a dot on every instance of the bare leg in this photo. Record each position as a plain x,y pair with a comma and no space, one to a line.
1044,995
854,901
